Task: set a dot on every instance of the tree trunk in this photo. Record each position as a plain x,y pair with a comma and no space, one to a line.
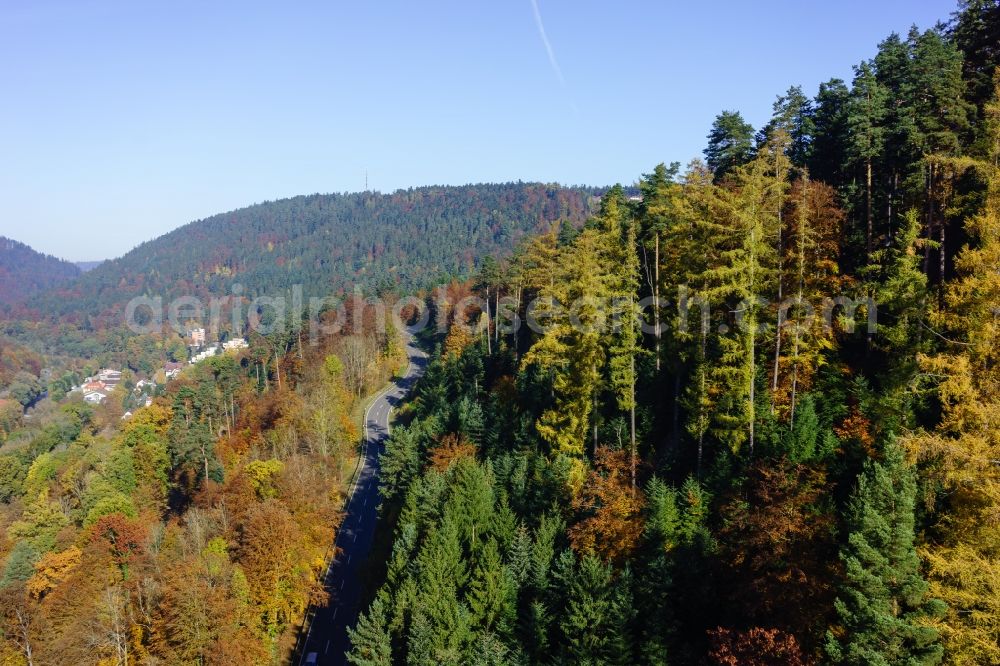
795,364
632,419
594,408
24,625
752,318
777,352
781,284
277,369
753,384
496,327
514,329
892,197
656,296
928,220
676,428
489,342
701,397
868,206
942,262
204,456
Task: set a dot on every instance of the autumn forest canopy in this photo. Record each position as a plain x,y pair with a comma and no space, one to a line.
755,418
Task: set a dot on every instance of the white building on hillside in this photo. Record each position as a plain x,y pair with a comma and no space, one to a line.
206,353
235,343
94,397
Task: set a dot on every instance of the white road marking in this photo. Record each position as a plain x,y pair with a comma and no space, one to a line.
327,648
413,353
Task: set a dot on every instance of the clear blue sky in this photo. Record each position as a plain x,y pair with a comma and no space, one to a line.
121,121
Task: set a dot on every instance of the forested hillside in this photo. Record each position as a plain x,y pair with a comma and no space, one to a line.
745,413
327,242
195,530
24,273
778,476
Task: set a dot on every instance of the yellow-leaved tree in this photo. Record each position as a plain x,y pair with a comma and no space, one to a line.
962,455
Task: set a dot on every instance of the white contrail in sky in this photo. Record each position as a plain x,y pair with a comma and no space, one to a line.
545,40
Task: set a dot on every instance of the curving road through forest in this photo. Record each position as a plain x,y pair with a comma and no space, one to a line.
326,637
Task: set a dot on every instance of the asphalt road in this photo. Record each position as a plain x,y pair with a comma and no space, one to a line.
327,633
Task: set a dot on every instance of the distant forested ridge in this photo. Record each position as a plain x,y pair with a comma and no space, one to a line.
25,272
328,242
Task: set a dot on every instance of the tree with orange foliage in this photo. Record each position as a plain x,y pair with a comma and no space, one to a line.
611,522
450,449
776,545
755,647
52,569
123,538
280,576
815,227
19,635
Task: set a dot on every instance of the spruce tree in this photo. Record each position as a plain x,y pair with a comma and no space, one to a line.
492,594
370,640
440,629
489,650
471,504
883,605
518,556
595,620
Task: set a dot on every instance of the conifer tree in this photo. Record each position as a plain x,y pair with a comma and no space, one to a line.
815,226
440,629
793,114
470,506
866,114
492,593
730,143
692,289
570,351
960,454
370,640
747,236
828,159
625,344
975,30
594,624
489,650
899,303
883,608
518,556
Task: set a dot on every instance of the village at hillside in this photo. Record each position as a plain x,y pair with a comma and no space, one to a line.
98,387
